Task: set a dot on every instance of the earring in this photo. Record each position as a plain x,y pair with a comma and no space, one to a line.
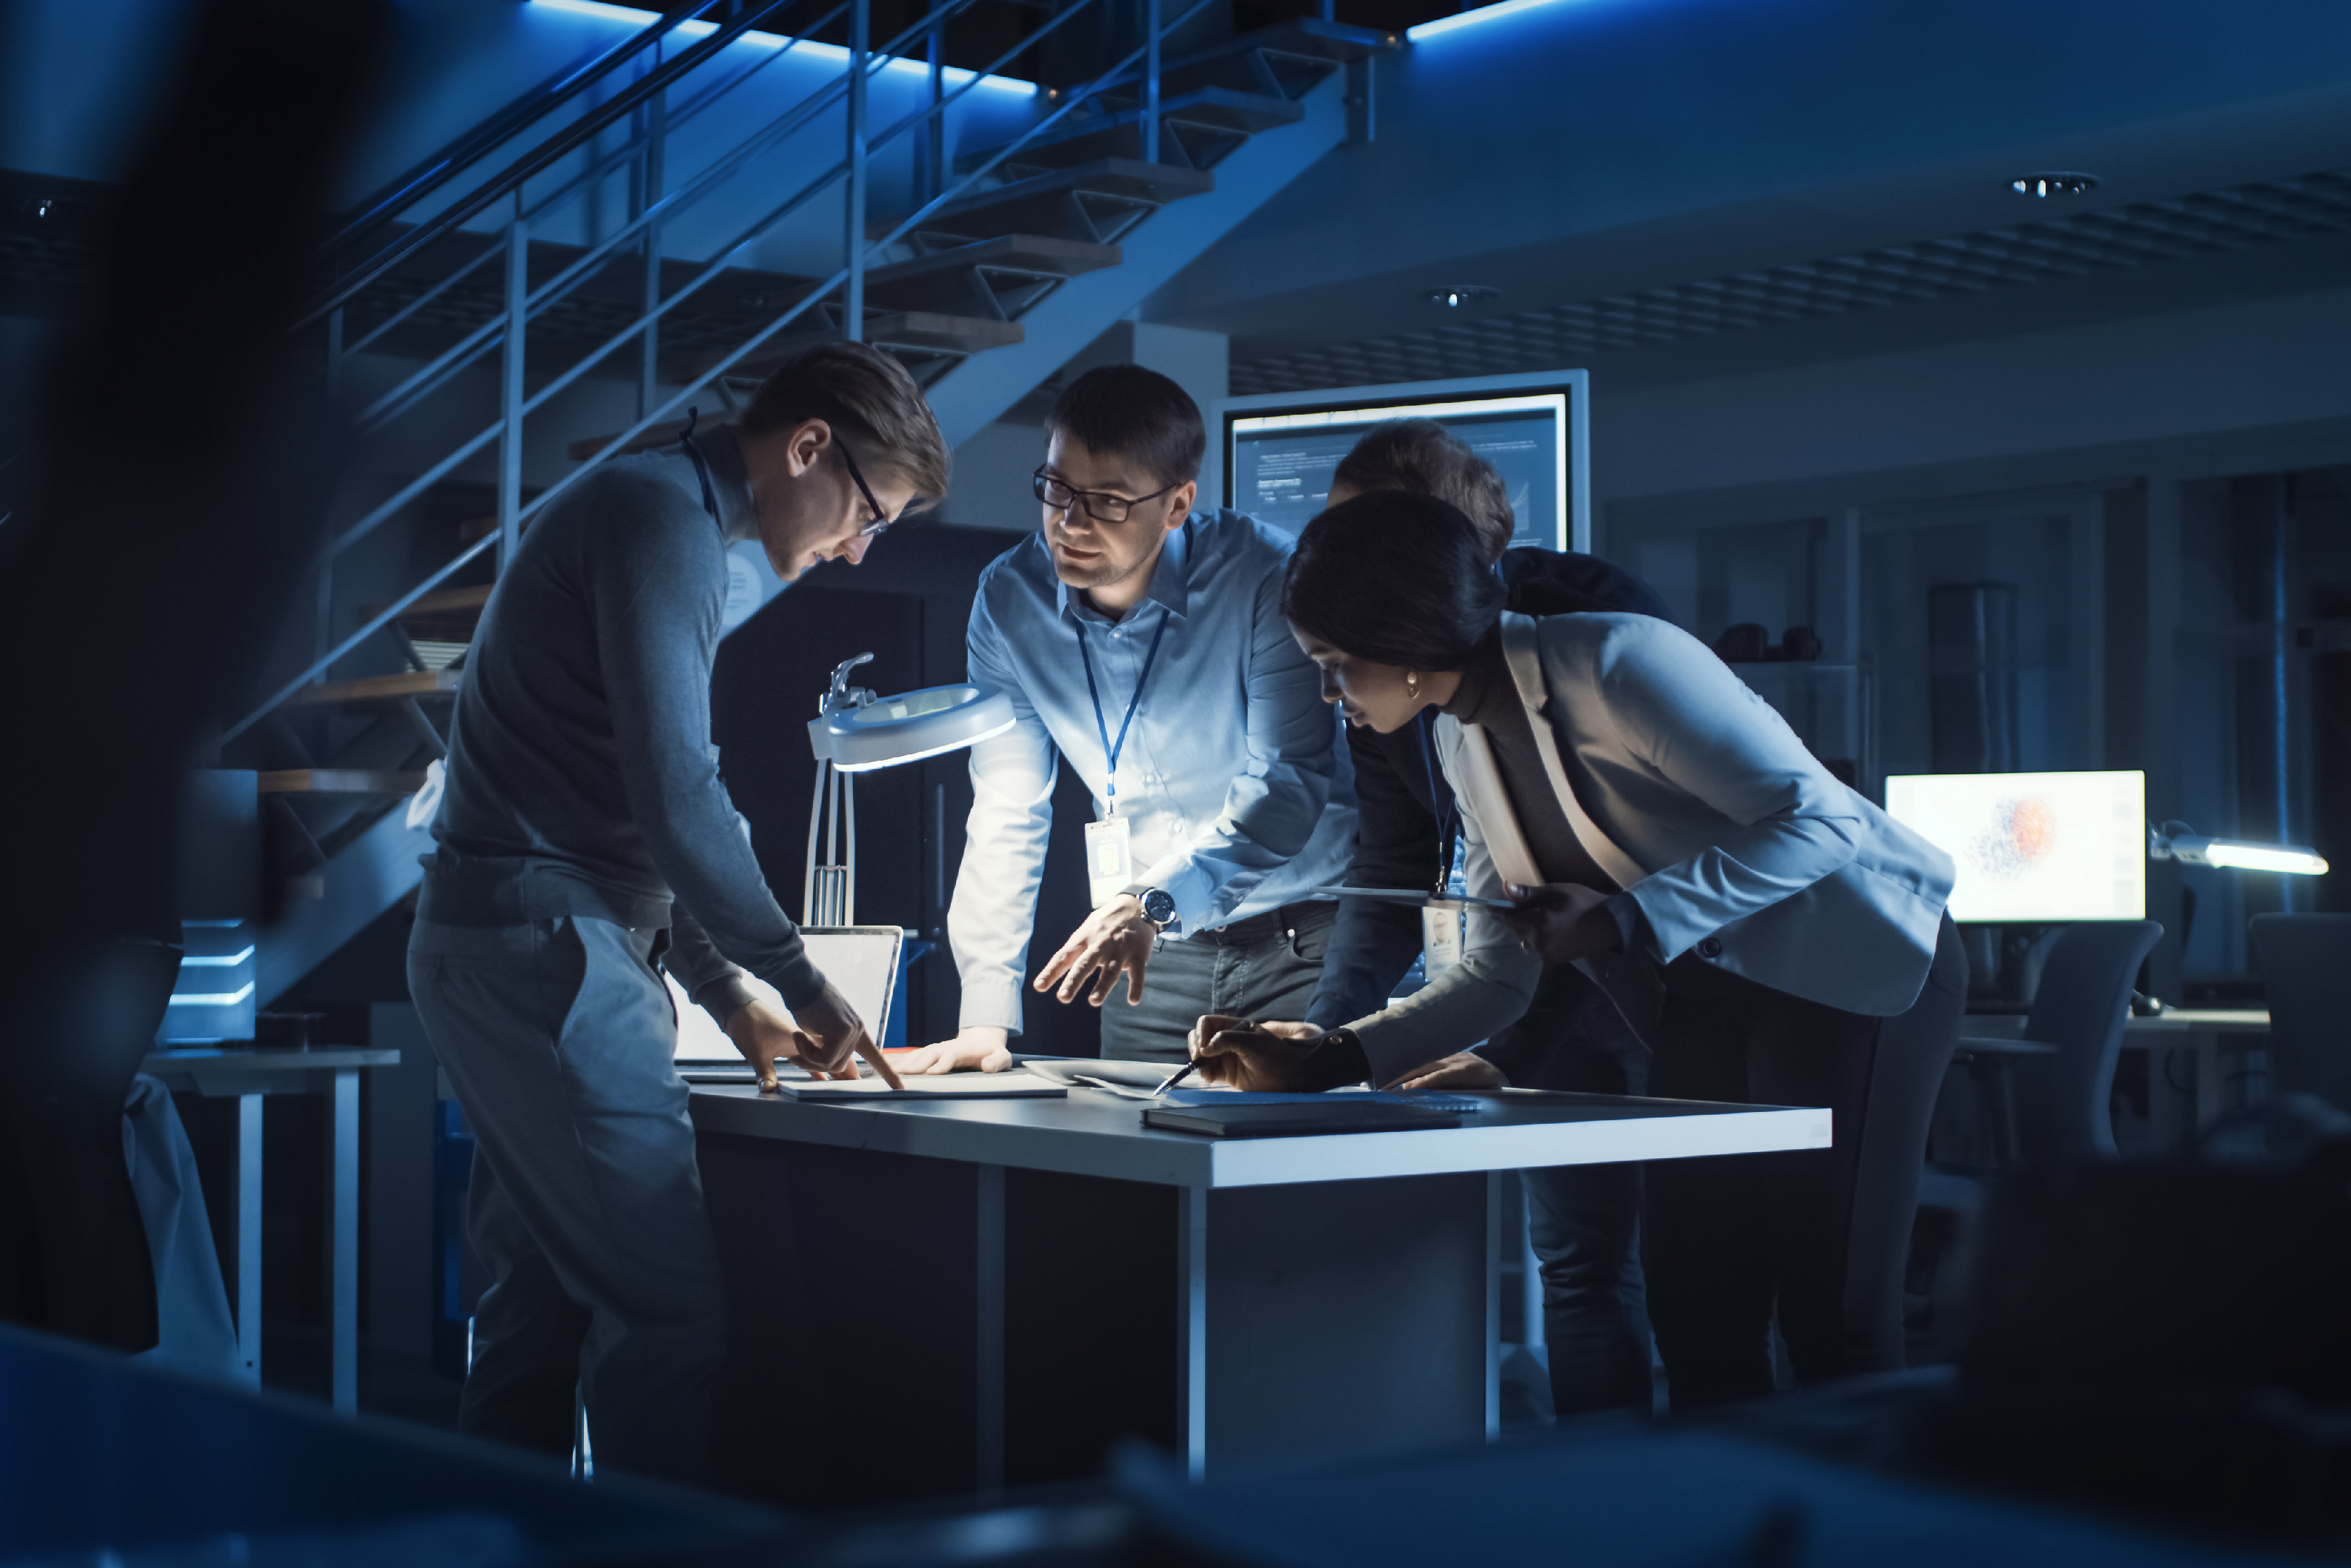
1412,683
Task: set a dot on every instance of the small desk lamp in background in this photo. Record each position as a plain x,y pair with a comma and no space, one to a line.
855,732
2178,842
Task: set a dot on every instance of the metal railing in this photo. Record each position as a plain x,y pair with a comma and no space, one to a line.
644,103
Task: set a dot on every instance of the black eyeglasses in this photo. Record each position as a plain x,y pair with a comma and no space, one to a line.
881,519
1100,505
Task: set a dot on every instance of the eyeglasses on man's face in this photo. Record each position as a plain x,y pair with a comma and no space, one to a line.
882,518
1101,506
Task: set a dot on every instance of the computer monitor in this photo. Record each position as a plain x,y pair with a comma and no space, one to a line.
2033,848
1280,450
862,962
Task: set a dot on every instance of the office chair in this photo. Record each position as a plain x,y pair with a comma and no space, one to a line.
2302,959
2054,1087
2063,1101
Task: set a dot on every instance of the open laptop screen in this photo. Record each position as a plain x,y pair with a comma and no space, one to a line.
861,961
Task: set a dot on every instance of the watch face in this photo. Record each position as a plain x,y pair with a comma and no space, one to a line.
1159,907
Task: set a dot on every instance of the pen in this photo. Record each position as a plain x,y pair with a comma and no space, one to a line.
1176,1077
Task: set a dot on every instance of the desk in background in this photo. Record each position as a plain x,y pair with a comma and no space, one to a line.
930,1298
2177,1111
247,1075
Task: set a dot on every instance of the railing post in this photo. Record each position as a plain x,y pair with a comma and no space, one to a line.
322,630
935,165
861,43
511,389
649,377
1151,82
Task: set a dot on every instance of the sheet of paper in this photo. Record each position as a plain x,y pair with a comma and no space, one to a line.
1010,1084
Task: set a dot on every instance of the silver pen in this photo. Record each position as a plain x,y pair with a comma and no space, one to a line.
1176,1077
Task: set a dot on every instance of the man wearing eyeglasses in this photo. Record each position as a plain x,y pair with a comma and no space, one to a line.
1143,642
584,839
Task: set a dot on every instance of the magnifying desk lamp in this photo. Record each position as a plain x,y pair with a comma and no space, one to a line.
855,732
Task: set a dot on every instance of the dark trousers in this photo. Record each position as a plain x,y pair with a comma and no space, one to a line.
1585,1220
1822,1235
1266,966
586,1202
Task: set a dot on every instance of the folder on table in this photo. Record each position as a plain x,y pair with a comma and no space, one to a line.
1334,1115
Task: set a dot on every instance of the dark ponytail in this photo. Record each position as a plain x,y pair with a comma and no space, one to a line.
1397,578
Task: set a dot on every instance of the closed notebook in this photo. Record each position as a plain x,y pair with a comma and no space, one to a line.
1352,1114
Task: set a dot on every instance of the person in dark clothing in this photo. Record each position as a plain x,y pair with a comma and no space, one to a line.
139,596
1772,936
584,838
1584,1218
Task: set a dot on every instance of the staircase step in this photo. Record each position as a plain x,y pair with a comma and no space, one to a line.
1308,37
1041,204
447,606
942,280
1083,138
923,331
370,691
341,781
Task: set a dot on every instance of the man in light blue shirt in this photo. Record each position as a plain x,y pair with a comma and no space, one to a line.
1145,644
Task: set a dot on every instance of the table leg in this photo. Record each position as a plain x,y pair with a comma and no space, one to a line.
1192,1325
344,1314
1531,1283
249,1238
2011,1151
990,1320
1493,1305
2211,1098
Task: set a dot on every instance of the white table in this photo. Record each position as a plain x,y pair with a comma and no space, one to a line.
1324,1294
245,1075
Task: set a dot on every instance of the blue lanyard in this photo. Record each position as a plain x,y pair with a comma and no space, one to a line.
1135,702
1448,818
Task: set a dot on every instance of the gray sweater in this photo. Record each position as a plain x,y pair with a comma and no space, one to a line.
582,778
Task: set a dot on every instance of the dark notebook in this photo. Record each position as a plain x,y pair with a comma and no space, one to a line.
1295,1121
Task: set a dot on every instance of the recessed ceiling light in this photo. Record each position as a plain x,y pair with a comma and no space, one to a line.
2055,182
1461,294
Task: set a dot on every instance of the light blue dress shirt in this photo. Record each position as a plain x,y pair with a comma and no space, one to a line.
1235,779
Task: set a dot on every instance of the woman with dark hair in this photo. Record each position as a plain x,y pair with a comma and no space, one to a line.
1582,1221
1771,935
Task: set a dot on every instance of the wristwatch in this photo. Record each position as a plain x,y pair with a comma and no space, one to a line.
1158,906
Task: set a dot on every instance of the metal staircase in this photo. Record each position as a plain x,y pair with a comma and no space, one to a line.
489,276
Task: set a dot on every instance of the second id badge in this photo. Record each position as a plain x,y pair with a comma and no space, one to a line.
1440,936
1110,860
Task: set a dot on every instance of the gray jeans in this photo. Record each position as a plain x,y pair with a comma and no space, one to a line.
1264,967
586,1203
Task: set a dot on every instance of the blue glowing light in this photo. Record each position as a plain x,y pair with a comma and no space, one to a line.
951,76
1426,30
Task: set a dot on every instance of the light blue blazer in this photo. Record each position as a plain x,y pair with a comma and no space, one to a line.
1695,796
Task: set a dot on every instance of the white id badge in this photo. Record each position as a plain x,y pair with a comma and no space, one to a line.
1440,936
1110,860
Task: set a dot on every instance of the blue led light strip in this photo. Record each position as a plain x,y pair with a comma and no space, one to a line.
1443,24
954,74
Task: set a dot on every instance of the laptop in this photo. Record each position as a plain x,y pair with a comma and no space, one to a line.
861,961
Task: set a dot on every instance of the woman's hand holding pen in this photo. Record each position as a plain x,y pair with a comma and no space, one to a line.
1560,922
1257,1055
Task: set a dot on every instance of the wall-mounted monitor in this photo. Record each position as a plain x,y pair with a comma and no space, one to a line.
1281,449
2033,848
